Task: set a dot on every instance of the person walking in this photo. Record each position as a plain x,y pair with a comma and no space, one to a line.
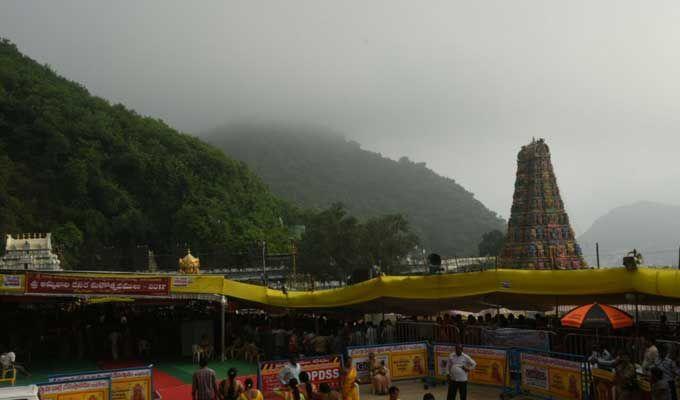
204,382
458,366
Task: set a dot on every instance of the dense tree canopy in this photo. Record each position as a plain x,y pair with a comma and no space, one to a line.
97,174
335,243
313,168
491,244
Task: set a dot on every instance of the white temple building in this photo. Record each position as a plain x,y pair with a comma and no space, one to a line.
30,251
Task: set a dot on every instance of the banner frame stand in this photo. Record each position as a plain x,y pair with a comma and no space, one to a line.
584,369
507,387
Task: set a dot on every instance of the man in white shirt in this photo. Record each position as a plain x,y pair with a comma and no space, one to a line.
458,366
289,371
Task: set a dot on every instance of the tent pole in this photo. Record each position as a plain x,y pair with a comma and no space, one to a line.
223,300
637,316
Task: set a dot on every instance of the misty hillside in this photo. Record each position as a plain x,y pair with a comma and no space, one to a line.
651,228
98,175
315,169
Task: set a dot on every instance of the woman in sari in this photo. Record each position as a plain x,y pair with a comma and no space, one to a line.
350,390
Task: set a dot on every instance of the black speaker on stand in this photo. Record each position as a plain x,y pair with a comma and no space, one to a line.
435,263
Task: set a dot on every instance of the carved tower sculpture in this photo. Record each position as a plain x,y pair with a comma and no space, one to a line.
539,234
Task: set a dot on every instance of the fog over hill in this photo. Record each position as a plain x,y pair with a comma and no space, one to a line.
651,228
314,168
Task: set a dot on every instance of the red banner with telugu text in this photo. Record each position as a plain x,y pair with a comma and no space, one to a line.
320,369
39,283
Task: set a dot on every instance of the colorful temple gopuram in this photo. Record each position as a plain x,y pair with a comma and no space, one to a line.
539,234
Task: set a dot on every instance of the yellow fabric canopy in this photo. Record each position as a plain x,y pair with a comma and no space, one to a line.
511,288
530,289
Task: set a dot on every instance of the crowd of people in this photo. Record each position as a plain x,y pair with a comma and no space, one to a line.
295,383
660,366
258,336
68,331
71,331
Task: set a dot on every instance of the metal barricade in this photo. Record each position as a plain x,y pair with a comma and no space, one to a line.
447,333
582,344
472,335
669,345
412,331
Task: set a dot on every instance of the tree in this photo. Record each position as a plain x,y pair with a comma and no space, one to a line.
386,241
330,244
335,244
313,168
100,175
491,244
68,239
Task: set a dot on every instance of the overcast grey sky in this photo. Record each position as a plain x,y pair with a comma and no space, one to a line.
459,85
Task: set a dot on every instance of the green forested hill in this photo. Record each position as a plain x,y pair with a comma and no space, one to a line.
315,170
97,174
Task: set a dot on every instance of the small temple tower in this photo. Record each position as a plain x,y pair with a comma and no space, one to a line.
539,234
189,264
30,251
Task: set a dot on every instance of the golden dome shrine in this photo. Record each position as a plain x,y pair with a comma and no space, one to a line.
189,264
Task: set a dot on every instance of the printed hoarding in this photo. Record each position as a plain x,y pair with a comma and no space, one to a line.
404,361
90,389
126,384
552,376
491,366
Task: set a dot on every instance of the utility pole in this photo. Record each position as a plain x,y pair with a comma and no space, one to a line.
678,257
597,252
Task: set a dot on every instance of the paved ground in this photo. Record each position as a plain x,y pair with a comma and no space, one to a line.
414,390
176,377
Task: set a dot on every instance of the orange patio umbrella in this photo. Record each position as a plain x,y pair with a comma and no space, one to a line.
597,316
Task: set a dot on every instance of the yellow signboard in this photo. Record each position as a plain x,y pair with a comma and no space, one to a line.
552,376
126,384
89,389
12,283
405,361
196,284
491,366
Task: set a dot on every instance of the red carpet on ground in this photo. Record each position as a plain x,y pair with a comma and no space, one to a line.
169,387
162,380
176,392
